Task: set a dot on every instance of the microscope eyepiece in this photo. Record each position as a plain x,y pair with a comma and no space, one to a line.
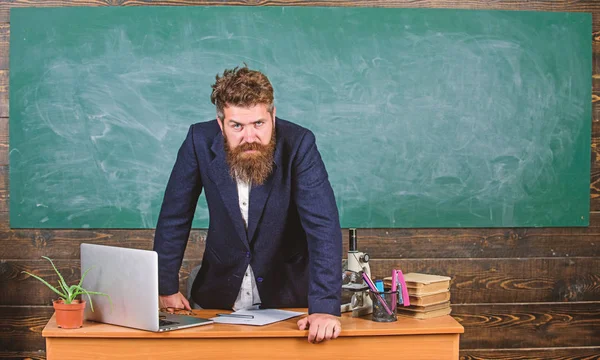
352,240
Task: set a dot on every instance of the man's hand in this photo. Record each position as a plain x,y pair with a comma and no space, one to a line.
176,301
321,327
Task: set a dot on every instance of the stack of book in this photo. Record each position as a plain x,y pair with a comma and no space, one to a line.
429,296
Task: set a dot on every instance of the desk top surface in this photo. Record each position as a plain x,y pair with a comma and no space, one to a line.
350,327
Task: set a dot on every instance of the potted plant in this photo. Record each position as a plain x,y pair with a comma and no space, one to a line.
69,309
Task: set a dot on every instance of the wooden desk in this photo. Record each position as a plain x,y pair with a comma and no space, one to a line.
360,338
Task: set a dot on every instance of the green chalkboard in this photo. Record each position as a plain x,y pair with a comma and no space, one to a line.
424,118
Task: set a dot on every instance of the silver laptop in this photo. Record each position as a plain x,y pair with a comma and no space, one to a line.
130,277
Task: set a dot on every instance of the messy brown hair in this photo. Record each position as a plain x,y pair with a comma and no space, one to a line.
241,87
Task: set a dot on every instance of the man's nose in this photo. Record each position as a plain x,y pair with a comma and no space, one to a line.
249,134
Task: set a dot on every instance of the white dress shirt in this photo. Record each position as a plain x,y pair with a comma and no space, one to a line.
248,295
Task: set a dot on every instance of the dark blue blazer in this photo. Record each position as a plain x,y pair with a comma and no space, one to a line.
293,241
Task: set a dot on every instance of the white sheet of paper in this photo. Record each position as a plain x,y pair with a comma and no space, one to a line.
261,317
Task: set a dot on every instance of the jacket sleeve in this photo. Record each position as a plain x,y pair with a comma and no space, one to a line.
176,215
319,217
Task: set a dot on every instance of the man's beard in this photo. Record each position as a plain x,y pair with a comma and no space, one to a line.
255,167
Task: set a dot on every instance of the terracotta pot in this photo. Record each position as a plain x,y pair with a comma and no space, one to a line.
69,316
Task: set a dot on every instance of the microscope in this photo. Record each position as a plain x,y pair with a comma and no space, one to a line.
355,297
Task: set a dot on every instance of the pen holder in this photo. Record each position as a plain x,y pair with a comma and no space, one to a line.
384,305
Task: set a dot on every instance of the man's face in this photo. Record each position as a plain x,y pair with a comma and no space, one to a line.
249,141
247,126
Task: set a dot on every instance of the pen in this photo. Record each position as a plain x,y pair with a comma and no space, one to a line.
374,289
243,316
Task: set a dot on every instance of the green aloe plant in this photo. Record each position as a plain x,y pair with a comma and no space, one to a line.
66,292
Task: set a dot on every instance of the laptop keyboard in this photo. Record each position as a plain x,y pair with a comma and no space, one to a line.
162,322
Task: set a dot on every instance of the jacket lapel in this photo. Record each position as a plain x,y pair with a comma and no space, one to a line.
260,194
219,173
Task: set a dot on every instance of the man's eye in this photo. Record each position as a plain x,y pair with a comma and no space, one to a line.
237,126
259,123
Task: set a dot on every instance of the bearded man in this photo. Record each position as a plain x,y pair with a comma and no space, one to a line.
274,235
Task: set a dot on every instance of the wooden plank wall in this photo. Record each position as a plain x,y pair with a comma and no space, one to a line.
519,293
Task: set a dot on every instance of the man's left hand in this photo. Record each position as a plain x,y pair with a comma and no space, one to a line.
320,327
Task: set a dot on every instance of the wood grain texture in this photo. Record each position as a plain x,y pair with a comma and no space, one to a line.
7,4
506,326
353,327
547,5
480,243
4,43
21,327
19,288
434,339
378,243
591,353
586,353
26,355
508,280
4,12
4,225
427,347
64,244
487,265
3,93
4,144
4,192
595,141
544,5
473,281
516,326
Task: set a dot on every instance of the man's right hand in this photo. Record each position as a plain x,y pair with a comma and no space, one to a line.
175,301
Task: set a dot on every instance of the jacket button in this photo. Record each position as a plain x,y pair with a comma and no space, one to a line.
248,254
259,279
